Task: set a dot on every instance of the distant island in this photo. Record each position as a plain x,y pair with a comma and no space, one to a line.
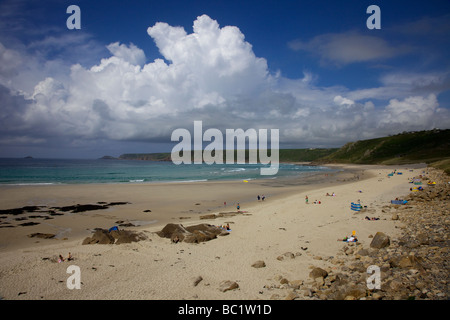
108,158
146,156
28,157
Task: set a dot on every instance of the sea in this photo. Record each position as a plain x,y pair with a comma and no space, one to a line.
32,171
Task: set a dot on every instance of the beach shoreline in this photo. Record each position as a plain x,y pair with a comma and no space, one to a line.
158,269
148,204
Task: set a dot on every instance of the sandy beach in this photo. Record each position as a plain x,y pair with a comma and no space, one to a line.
282,226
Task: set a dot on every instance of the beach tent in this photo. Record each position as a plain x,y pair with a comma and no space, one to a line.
355,207
113,228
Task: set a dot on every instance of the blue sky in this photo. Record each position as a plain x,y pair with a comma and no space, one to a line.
137,70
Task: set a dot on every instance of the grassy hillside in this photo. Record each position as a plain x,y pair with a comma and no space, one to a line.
304,155
413,147
442,164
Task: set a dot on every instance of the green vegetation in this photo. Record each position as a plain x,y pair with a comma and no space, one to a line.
304,155
409,147
442,164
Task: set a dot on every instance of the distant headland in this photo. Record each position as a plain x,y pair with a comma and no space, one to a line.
431,147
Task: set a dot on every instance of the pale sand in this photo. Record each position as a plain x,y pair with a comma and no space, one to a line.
159,269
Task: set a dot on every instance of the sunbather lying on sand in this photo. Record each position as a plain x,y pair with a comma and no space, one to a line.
349,239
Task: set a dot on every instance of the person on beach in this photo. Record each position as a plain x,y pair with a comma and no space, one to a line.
238,206
263,197
349,239
61,259
306,199
259,198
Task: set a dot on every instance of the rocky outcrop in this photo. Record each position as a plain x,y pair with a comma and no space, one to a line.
72,208
317,273
42,235
380,240
99,237
191,234
103,236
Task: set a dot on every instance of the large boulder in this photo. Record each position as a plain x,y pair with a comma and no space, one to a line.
407,262
126,236
191,234
173,231
103,236
100,236
318,273
355,292
380,240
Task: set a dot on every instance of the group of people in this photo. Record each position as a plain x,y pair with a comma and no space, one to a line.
318,201
225,227
61,258
238,206
315,201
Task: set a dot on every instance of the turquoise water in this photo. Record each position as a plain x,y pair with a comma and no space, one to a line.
66,171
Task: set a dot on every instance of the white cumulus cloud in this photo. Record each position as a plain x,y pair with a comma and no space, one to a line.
209,74
131,54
